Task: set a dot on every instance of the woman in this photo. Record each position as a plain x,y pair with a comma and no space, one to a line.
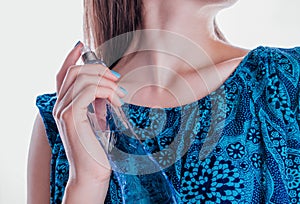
253,156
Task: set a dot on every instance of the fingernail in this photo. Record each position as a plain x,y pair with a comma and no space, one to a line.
115,73
122,102
123,90
77,43
91,108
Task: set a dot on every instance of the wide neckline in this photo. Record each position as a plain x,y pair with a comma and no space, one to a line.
228,80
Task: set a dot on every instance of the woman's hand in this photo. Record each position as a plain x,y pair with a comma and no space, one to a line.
77,87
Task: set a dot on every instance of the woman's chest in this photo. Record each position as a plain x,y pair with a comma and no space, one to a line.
164,87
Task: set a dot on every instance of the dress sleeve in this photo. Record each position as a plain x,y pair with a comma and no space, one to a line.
284,92
45,104
293,74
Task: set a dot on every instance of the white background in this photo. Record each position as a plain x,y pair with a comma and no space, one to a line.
36,36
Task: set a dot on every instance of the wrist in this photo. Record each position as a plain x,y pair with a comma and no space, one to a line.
90,177
88,191
88,181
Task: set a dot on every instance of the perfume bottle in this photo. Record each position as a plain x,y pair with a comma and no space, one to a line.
140,177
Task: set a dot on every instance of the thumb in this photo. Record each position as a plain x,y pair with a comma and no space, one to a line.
70,60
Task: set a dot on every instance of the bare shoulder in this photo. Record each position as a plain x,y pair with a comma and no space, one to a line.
38,166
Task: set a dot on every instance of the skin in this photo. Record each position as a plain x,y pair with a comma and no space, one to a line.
157,79
77,86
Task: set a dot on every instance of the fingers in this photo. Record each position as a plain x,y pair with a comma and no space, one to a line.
96,79
83,81
70,60
70,90
77,87
74,72
77,103
91,92
110,89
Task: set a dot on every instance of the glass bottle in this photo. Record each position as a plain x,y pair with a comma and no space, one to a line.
140,177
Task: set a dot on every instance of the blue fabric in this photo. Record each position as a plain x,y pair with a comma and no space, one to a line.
240,144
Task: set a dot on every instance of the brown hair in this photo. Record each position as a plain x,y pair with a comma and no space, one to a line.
106,19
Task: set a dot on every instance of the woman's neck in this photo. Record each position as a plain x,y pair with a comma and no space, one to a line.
176,49
177,32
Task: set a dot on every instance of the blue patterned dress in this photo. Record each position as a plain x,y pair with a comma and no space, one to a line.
240,144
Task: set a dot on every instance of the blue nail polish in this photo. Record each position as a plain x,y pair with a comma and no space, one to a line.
124,90
115,73
77,43
122,102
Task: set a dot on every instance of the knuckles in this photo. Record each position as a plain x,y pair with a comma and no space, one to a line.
74,68
61,115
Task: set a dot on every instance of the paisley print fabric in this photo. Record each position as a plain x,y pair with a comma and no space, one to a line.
240,144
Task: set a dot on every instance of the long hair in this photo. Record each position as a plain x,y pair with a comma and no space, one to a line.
107,19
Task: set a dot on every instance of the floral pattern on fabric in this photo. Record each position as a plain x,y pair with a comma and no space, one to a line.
239,147
214,180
